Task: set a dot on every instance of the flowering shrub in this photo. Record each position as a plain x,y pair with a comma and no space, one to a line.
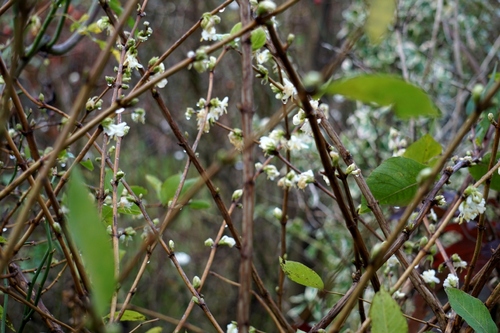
204,139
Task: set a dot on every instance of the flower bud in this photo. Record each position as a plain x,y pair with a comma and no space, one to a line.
209,242
237,195
265,7
477,91
196,282
171,245
278,213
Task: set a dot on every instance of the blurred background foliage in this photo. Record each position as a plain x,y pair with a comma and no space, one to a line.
316,233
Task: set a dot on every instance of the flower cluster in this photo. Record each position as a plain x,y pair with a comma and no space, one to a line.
114,130
472,206
284,92
457,262
208,22
208,113
276,140
300,119
293,180
157,71
270,170
396,143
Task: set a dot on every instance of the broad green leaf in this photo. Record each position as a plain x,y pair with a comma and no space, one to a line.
301,274
199,204
407,100
155,183
94,243
386,315
380,16
423,149
258,38
169,187
394,182
138,190
236,28
87,164
481,168
472,310
130,315
155,330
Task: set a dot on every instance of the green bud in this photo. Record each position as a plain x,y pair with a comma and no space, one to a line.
171,245
423,241
237,195
265,7
209,242
41,98
196,282
477,91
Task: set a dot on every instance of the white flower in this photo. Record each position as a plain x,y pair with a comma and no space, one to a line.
124,202
271,171
472,206
232,327
236,138
116,130
139,115
209,242
289,181
268,145
398,294
299,118
229,241
305,178
209,34
131,61
429,276
296,143
262,57
458,262
288,91
451,281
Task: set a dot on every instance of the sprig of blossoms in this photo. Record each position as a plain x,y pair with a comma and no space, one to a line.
236,138
472,206
208,113
208,22
305,178
285,92
157,71
289,181
457,262
300,119
114,130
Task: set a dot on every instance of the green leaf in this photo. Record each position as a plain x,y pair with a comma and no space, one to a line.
472,310
394,182
386,315
199,204
258,38
423,150
7,321
94,243
155,183
301,274
155,330
3,240
87,164
236,28
169,187
381,15
481,168
130,315
139,190
407,100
